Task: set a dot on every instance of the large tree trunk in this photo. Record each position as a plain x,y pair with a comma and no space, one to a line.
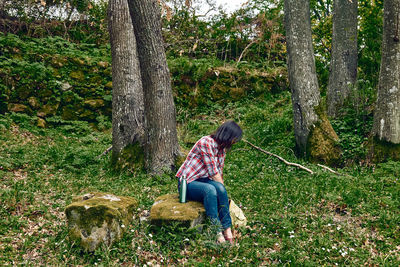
386,127
315,137
344,54
127,93
162,142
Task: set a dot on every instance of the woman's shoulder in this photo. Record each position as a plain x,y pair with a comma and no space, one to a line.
208,141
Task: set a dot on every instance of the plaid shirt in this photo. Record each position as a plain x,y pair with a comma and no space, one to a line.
204,160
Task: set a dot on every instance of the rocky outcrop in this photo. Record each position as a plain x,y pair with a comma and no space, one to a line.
97,218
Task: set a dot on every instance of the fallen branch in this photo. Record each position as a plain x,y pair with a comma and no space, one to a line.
279,157
335,172
329,169
104,153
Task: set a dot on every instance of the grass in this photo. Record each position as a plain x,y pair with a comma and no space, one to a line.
294,218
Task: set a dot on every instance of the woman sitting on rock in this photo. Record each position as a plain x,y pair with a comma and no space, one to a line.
202,170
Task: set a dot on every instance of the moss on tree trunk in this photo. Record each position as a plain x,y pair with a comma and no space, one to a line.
323,142
381,151
130,157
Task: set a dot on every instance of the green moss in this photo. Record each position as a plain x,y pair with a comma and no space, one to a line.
58,61
108,85
237,93
17,107
69,113
94,103
382,151
87,114
180,159
49,109
24,91
99,217
167,209
323,142
77,75
131,157
34,102
219,91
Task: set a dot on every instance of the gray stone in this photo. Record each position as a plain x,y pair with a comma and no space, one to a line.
65,86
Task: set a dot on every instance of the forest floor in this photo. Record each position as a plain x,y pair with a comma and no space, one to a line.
294,218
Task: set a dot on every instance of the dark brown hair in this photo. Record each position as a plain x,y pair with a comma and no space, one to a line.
226,134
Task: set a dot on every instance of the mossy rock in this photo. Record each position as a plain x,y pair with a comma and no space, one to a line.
14,107
41,123
34,102
69,113
237,93
65,86
168,209
77,75
78,61
103,64
58,61
94,103
219,91
50,109
97,218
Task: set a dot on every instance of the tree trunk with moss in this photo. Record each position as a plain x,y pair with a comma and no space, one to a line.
161,136
127,92
343,73
386,127
315,137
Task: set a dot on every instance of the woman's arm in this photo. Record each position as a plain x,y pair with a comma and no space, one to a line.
218,178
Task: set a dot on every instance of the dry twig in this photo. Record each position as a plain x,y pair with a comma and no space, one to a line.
279,157
104,153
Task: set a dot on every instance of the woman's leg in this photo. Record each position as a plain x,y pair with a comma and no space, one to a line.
200,190
223,204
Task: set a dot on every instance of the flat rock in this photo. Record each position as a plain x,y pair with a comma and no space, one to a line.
97,218
167,209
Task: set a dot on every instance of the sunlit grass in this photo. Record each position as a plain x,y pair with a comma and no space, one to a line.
294,217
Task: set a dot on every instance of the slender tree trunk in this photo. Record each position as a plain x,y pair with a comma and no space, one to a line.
386,127
127,93
162,142
343,74
315,137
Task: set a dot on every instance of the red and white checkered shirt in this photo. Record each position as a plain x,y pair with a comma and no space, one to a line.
204,160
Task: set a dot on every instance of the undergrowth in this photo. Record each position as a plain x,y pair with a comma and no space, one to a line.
294,218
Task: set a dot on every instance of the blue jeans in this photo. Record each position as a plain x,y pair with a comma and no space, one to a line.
214,197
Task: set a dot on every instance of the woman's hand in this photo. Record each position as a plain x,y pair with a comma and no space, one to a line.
218,178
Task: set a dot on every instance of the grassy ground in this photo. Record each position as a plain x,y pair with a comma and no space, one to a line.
294,218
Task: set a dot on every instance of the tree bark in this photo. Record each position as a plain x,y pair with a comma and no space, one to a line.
161,137
315,137
343,74
127,93
386,126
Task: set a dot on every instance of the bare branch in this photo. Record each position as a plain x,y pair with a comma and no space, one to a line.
104,153
244,50
279,157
